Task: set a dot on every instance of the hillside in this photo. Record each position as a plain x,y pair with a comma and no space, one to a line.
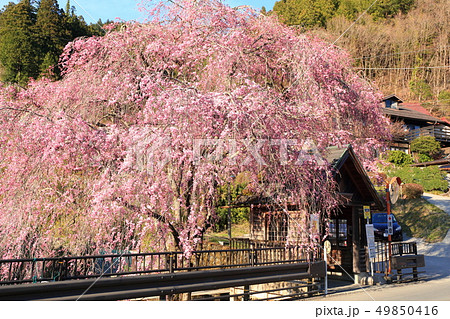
406,52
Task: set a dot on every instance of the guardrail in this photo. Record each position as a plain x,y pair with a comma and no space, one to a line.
130,287
13,271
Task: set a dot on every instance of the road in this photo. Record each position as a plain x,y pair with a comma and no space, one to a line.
435,286
443,202
431,290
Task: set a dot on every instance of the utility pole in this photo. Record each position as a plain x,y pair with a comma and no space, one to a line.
388,207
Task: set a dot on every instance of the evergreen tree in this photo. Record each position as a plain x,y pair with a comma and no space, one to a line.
32,39
52,33
381,9
77,27
313,13
17,42
97,28
69,9
389,8
306,13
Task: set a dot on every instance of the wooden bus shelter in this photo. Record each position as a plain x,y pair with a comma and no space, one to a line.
346,225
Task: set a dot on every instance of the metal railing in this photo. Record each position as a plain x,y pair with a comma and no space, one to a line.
245,243
253,280
14,271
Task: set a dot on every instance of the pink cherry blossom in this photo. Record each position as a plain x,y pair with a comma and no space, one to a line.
105,159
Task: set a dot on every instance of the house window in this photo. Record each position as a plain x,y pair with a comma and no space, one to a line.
391,104
332,232
338,232
342,239
277,227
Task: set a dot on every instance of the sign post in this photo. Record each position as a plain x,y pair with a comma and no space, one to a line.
326,251
392,194
370,235
390,225
371,245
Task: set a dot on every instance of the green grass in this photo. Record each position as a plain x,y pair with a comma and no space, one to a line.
237,230
421,219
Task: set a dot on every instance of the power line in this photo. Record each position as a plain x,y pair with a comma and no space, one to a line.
354,22
414,68
82,8
332,44
400,53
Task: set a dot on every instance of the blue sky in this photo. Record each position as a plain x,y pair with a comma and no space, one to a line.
92,10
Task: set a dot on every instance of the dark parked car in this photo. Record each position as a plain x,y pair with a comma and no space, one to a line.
379,221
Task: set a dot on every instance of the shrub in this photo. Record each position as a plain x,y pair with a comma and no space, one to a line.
426,145
422,158
411,191
431,178
399,158
238,215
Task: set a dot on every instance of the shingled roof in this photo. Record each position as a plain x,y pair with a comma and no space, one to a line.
411,111
336,157
404,112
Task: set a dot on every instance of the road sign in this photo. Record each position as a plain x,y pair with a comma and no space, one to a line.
390,225
366,210
370,240
394,189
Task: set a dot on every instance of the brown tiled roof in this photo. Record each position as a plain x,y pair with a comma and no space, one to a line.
416,107
445,120
335,155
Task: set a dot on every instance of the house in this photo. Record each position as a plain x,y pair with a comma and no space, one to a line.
416,120
346,224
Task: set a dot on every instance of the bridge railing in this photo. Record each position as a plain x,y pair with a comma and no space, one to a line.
14,271
280,282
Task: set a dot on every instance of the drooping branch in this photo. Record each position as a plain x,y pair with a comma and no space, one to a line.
236,82
162,219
